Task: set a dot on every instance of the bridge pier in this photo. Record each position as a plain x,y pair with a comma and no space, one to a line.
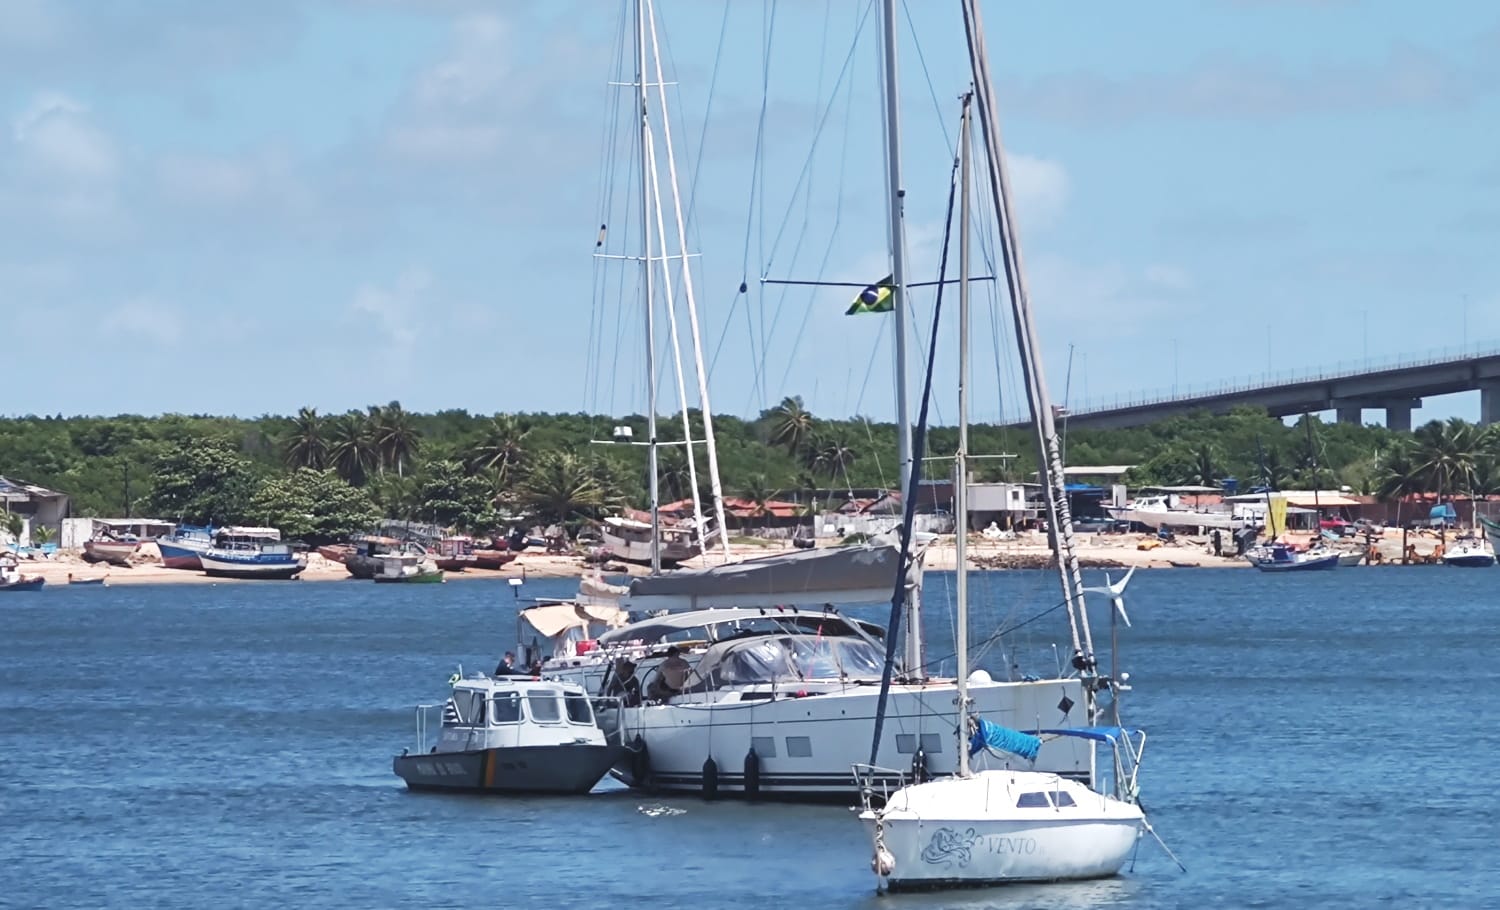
1398,413
1489,403
1350,413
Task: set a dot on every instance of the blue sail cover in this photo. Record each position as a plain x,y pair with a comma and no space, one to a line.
1003,739
1097,734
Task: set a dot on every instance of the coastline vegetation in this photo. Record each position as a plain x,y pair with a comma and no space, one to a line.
322,476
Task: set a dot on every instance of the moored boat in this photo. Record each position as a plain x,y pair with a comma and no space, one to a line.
1280,557
1469,552
510,734
11,578
251,557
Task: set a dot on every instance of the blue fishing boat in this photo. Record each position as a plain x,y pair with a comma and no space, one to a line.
181,548
241,555
1280,557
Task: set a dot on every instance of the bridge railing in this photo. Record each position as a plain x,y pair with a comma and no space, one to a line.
1184,393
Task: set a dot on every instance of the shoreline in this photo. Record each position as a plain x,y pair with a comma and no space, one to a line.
1028,551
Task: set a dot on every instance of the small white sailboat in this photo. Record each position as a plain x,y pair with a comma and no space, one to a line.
1003,824
1469,551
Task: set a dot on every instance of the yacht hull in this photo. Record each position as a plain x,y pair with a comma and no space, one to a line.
968,853
806,746
562,769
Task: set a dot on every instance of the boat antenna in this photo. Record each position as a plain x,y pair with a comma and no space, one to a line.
1049,455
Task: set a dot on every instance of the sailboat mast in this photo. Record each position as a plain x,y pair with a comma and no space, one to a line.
1060,523
961,457
646,260
895,209
715,486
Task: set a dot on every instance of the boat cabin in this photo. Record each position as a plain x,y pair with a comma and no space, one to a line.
508,711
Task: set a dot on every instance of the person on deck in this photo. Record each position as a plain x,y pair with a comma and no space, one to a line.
623,684
671,676
507,666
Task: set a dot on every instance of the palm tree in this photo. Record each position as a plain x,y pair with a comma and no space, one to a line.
673,475
792,425
757,491
396,438
1274,470
1447,454
352,451
831,455
1205,466
560,487
41,535
305,446
14,524
501,448
1398,474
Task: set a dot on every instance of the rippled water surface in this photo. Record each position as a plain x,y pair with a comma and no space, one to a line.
1322,740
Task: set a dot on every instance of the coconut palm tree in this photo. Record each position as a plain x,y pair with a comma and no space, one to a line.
396,437
559,486
41,535
757,491
1399,474
830,455
306,445
501,447
791,425
672,473
1205,466
352,451
14,525
1447,454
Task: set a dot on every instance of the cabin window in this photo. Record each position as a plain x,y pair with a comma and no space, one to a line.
799,747
1063,799
1033,801
505,708
543,707
578,710
764,746
463,707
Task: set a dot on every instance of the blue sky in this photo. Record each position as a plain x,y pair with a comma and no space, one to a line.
246,208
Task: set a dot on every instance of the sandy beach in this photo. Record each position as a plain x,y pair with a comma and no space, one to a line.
1029,550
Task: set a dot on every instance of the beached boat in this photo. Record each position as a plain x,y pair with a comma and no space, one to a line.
336,552
181,548
1351,559
1164,510
454,554
11,578
363,560
1469,552
410,568
492,558
510,734
251,556
97,580
630,539
1280,557
113,550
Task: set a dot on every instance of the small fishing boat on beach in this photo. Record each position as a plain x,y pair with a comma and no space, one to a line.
251,556
336,552
362,560
510,734
181,548
630,539
113,550
11,578
495,557
454,554
410,568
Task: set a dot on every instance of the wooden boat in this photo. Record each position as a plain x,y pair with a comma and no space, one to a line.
1279,557
101,581
409,568
251,557
111,550
363,561
493,559
337,552
11,578
181,549
454,554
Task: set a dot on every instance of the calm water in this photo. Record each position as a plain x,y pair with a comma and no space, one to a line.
1324,740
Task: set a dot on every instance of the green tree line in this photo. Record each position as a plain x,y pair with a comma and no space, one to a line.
320,476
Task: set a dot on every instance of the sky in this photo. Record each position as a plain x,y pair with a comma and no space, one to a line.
243,208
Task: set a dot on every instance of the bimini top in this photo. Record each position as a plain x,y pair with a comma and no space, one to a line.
553,619
863,573
722,624
770,659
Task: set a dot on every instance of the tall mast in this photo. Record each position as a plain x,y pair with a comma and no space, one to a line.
895,209
1049,455
646,260
715,486
961,457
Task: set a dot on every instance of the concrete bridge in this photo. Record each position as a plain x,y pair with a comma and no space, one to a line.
1396,387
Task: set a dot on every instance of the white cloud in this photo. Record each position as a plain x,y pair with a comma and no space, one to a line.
56,135
396,311
1041,188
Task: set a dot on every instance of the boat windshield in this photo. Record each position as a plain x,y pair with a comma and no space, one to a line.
578,709
784,658
541,704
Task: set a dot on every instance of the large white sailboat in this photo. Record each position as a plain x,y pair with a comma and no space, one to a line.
765,687
1011,823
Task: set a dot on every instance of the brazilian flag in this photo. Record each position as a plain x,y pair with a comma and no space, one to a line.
877,298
